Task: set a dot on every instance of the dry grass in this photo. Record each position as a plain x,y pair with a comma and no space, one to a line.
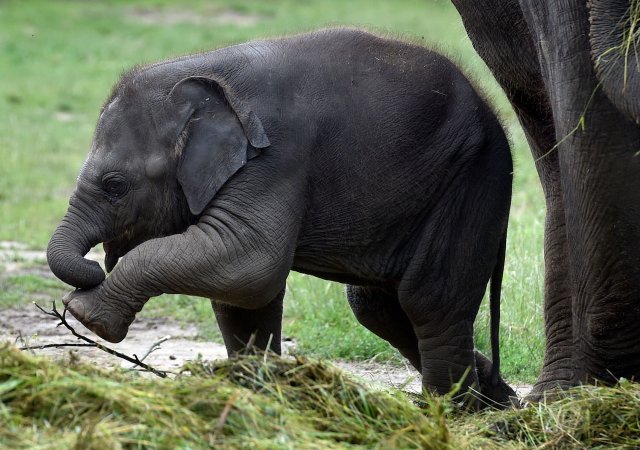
248,402
259,402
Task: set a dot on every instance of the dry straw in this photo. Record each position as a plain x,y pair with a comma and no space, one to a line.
268,402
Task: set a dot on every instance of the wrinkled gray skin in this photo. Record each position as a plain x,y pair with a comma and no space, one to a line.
339,154
562,66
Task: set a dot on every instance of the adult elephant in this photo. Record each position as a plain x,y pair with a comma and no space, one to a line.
566,67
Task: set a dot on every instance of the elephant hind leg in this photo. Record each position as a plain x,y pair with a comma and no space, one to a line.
239,326
445,281
379,311
500,394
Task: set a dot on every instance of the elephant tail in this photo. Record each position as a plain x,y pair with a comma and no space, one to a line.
494,310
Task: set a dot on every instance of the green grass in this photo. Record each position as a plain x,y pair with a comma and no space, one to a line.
319,311
15,289
271,403
59,61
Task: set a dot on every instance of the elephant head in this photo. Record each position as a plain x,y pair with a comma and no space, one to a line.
614,37
157,159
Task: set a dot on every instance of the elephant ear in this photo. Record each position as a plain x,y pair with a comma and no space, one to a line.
214,134
614,39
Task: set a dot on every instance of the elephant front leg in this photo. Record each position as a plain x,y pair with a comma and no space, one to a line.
192,263
557,369
105,311
260,327
109,309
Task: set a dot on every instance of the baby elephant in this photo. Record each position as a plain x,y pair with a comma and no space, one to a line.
338,153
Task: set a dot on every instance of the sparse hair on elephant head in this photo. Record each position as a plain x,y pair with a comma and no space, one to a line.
203,135
198,114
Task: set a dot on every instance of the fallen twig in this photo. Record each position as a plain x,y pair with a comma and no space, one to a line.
91,343
20,339
66,344
155,346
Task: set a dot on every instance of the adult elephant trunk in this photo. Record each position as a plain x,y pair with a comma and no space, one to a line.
71,241
614,36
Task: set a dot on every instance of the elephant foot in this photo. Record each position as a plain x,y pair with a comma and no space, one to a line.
548,390
108,322
493,393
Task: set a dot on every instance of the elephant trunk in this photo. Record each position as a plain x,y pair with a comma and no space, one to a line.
71,241
614,37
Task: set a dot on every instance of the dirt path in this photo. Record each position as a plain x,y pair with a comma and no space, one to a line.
28,326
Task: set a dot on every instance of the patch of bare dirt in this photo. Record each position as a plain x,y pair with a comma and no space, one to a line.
17,259
28,326
376,374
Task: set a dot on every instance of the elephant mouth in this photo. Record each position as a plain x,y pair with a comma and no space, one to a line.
120,245
116,249
112,255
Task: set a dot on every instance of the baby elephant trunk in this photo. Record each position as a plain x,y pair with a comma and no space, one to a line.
71,241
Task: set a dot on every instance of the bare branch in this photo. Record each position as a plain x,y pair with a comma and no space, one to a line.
91,343
40,347
155,346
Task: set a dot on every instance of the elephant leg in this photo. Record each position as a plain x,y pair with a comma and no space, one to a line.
557,368
506,45
379,311
441,307
498,395
597,154
445,281
445,343
240,326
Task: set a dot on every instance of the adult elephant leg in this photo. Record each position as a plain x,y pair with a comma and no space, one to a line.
505,43
379,311
600,179
239,326
557,369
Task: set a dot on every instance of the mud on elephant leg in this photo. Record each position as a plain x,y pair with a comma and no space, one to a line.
379,311
240,326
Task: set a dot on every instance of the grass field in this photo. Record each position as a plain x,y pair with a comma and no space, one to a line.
58,61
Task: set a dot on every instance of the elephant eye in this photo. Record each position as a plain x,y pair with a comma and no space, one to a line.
114,184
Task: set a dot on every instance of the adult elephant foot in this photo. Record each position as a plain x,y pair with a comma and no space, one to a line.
556,376
549,390
101,317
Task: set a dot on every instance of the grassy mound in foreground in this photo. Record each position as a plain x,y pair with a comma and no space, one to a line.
253,402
